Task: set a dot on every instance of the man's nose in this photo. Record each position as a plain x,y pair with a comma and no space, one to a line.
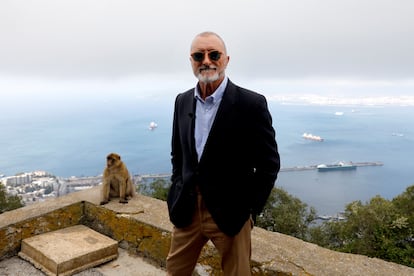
206,59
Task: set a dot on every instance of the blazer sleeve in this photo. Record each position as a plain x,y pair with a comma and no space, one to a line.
176,152
266,155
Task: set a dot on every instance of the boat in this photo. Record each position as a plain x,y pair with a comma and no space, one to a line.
337,217
312,137
152,126
336,167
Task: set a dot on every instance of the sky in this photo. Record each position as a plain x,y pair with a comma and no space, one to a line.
282,48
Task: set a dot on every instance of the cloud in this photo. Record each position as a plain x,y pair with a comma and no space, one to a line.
297,39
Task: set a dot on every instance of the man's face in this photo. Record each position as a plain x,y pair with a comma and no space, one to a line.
208,58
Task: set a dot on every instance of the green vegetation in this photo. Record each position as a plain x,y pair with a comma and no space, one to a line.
286,214
380,228
8,202
157,189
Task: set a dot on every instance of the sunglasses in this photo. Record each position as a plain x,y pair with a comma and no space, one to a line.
199,56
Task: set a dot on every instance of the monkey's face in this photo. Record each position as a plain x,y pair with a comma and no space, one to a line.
112,159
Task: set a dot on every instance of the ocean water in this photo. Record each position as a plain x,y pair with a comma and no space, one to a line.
70,140
361,134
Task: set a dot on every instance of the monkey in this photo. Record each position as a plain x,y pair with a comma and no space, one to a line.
116,180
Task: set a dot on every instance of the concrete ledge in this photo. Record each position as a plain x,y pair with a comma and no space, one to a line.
69,250
142,226
40,218
41,222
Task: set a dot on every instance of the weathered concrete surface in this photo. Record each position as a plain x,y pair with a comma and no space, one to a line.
34,223
68,250
39,209
125,264
125,224
142,227
286,254
42,217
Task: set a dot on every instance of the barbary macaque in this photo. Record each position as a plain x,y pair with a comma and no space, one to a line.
116,181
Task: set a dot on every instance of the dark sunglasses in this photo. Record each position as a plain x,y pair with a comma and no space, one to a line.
199,56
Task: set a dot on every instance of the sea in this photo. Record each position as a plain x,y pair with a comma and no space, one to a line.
68,139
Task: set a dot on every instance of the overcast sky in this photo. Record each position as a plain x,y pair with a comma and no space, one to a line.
272,44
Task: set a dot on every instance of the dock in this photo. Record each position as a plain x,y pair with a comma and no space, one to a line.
143,177
315,167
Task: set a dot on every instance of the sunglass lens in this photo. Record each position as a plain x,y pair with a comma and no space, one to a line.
215,55
198,56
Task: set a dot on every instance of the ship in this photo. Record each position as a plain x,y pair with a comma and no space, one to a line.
336,167
152,126
312,137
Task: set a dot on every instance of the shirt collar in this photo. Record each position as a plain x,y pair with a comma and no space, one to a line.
217,94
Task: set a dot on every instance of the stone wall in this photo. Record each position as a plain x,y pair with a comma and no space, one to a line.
142,227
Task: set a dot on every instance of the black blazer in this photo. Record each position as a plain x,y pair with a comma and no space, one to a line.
239,164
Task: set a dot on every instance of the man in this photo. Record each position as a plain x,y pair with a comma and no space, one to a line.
224,164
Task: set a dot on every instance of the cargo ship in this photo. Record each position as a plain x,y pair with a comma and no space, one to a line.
336,167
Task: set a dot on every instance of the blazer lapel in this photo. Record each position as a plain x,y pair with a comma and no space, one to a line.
225,108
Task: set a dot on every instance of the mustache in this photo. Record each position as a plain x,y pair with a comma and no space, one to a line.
207,67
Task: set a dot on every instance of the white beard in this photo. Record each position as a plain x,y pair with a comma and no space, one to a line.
208,79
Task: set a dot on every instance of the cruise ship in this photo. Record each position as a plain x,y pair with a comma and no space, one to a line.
312,137
336,167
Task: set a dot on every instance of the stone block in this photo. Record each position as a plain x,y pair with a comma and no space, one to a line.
69,250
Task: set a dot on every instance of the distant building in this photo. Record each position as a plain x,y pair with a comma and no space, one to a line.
17,180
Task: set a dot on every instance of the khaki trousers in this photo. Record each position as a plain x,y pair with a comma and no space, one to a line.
187,243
